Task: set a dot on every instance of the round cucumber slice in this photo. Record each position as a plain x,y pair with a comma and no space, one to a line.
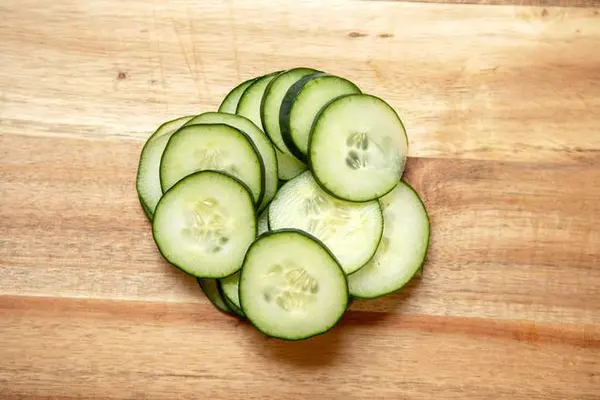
260,140
358,147
217,147
230,102
301,105
148,180
291,287
271,103
403,247
351,231
205,223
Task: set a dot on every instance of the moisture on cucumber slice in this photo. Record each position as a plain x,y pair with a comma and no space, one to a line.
249,104
210,288
403,247
230,102
288,167
291,286
301,105
358,147
147,180
271,103
213,147
351,231
205,223
229,287
260,140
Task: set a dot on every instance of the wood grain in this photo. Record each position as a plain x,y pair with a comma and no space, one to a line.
502,105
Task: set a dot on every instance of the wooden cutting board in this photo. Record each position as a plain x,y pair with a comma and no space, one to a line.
502,105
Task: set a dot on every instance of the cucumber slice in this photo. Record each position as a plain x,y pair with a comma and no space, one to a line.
249,104
301,105
217,147
205,223
358,147
271,103
291,286
263,222
229,288
170,126
402,250
147,180
210,288
145,208
230,102
237,311
351,231
260,140
288,167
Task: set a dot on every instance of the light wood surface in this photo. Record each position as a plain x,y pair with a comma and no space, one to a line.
502,105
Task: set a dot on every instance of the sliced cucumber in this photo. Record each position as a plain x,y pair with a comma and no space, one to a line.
263,222
402,250
260,140
249,104
213,147
230,102
170,126
351,231
237,311
358,147
210,288
229,287
148,180
301,105
271,103
288,167
205,223
291,287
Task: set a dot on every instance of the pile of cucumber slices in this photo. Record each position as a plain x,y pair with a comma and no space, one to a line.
287,201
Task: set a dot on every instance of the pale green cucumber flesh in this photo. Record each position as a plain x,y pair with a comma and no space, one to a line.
205,223
260,140
291,286
402,250
351,231
358,148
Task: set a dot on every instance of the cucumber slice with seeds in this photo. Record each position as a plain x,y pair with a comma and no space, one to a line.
232,99
148,180
213,147
402,250
351,231
301,105
358,147
271,103
205,223
260,140
211,290
291,286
